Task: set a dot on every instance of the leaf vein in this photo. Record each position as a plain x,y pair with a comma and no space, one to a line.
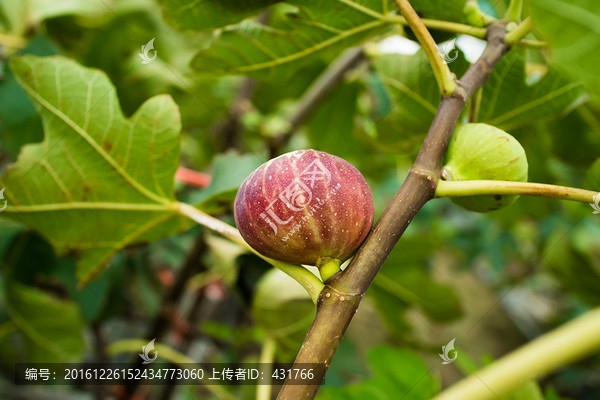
78,129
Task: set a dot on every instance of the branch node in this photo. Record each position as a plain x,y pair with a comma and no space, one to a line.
428,174
460,92
329,290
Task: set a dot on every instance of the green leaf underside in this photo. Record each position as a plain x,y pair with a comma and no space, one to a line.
573,29
98,182
508,102
201,15
452,10
298,36
411,85
50,330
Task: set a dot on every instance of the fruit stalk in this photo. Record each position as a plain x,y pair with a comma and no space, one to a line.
329,268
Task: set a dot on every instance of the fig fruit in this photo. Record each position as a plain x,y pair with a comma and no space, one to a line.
483,152
304,207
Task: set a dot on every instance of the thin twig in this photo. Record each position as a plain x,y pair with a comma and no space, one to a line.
461,29
100,391
533,44
227,131
446,26
190,322
317,91
267,356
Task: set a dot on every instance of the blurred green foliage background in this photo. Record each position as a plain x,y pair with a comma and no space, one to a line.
492,281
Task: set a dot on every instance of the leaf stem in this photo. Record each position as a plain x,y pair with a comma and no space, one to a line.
513,13
513,37
445,26
570,342
443,76
483,187
303,276
461,29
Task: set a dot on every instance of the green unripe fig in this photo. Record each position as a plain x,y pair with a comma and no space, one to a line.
484,152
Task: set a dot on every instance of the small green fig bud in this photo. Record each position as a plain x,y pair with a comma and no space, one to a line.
304,207
484,152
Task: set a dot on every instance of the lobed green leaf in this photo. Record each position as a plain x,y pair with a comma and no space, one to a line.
99,181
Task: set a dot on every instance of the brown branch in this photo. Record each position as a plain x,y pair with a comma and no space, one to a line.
339,300
316,92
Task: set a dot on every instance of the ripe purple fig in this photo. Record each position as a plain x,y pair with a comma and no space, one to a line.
305,207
